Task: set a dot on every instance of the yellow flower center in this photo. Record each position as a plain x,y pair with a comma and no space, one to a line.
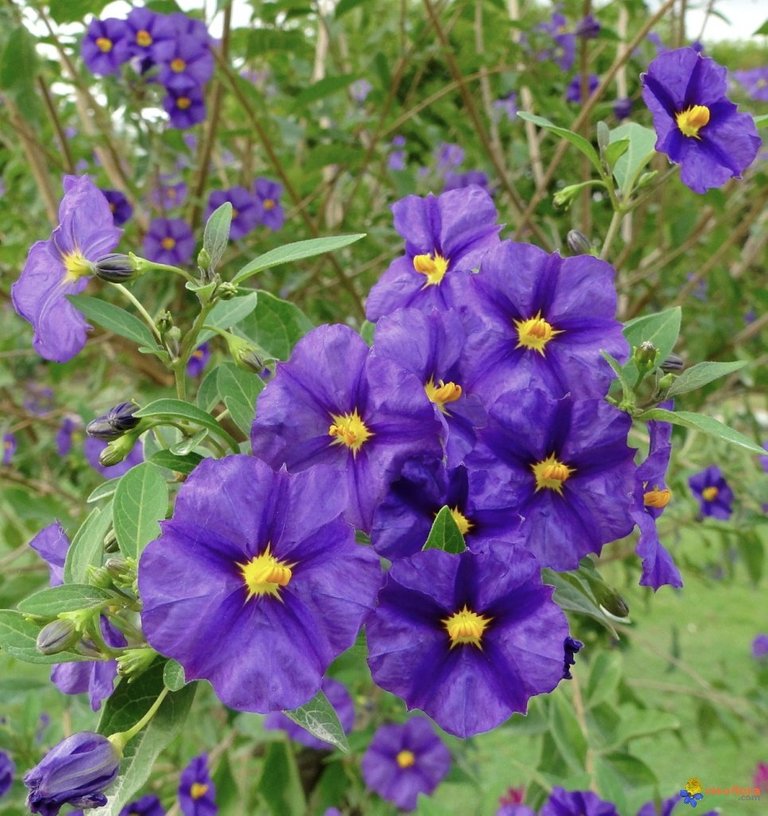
104,44
268,204
350,430
143,38
442,393
77,266
535,333
405,759
168,242
183,102
178,65
198,354
551,473
692,120
462,522
657,497
433,267
171,193
466,626
709,493
264,575
693,785
198,790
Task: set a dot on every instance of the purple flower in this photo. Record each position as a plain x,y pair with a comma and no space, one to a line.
622,108
576,803
93,447
39,400
397,158
403,761
151,36
263,564
713,493
764,459
246,209
754,82
190,62
334,402
546,322
696,125
430,346
186,107
515,810
148,805
169,241
554,475
74,772
61,266
119,206
359,90
507,105
7,770
760,647
564,50
458,181
51,544
449,155
197,793
338,697
467,638
573,91
651,497
268,192
587,28
667,806
105,46
9,447
198,360
168,196
445,237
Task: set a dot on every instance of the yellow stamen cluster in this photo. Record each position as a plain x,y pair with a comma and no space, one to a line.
658,497
551,473
268,204
442,393
709,493
692,120
183,102
178,65
168,242
462,522
198,790
466,626
350,430
535,333
104,44
433,267
405,759
143,38
77,266
264,575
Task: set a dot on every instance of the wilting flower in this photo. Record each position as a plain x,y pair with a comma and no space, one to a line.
446,237
713,493
7,770
754,82
197,793
151,36
74,772
263,564
760,647
105,46
333,402
339,698
697,126
93,448
119,206
9,448
268,192
246,209
547,321
148,805
359,90
198,360
403,761
61,266
553,475
467,638
186,107
169,241
573,91
472,178
576,803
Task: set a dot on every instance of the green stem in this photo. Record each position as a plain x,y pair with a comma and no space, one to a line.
128,295
151,266
122,738
613,228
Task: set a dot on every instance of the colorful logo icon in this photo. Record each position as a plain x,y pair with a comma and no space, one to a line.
691,794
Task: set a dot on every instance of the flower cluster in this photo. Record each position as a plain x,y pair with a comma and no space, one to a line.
170,49
259,205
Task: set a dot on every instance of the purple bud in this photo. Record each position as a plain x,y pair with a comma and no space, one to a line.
115,422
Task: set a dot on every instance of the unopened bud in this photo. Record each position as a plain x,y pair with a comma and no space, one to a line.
645,356
119,568
164,321
117,450
117,268
564,197
245,353
666,382
227,290
578,243
110,542
203,259
172,340
56,636
98,576
610,600
133,662
672,363
115,422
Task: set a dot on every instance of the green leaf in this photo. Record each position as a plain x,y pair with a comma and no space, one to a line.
344,6
565,730
216,234
635,724
604,678
74,11
103,491
18,637
661,329
705,424
297,251
626,388
575,139
639,152
753,554
141,500
180,410
762,31
48,603
573,594
18,63
615,151
188,443
228,313
321,89
280,784
319,717
87,547
180,464
445,534
173,676
760,121
276,325
208,393
239,389
127,705
262,40
701,374
114,319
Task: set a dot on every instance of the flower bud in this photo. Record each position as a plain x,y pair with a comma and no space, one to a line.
245,353
133,662
75,772
117,450
98,576
578,243
115,422
564,197
645,356
672,363
117,268
119,568
110,542
666,382
56,636
227,290
172,341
